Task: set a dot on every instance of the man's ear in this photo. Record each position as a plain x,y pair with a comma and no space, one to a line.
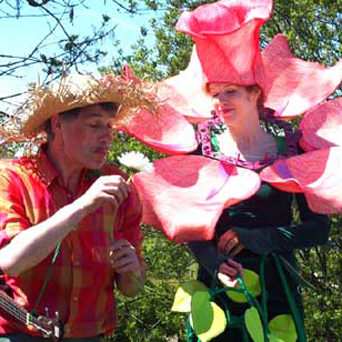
56,124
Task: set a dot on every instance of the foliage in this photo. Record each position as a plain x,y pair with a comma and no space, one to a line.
322,267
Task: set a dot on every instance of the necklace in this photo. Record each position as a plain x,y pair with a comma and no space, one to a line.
208,129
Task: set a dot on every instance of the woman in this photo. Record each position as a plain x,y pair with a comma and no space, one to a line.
261,225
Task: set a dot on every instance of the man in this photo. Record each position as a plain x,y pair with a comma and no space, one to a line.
69,223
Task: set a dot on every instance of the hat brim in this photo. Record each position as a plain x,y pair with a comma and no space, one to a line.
82,91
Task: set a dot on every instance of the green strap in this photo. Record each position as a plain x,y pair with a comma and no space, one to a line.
48,276
297,318
264,296
189,331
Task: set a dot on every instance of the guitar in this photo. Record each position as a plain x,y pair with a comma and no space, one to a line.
51,328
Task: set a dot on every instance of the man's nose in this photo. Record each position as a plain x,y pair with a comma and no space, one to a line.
107,134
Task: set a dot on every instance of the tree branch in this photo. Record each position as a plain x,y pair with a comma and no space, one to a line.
36,4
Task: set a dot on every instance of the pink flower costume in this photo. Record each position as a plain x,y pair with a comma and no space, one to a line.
292,87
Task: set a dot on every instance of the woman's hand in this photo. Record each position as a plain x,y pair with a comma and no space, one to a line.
228,272
229,243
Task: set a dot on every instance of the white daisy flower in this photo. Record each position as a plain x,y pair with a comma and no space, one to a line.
135,161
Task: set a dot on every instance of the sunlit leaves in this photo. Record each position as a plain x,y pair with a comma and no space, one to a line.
207,319
254,325
182,301
283,328
252,283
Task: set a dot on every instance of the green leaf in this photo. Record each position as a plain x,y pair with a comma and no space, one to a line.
182,300
252,282
207,319
274,338
254,325
283,328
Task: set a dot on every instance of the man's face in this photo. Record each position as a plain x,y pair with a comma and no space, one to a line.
86,137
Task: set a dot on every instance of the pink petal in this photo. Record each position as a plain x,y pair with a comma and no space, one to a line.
184,196
223,17
280,177
218,30
322,126
185,92
169,132
291,85
318,175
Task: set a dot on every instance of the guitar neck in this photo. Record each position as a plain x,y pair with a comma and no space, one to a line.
49,327
9,306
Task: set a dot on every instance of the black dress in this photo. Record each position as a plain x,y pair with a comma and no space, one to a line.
264,225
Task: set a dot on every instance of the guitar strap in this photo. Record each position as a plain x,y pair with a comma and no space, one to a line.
47,278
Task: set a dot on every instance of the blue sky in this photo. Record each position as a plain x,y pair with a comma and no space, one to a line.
19,36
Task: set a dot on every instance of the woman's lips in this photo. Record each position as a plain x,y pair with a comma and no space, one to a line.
225,111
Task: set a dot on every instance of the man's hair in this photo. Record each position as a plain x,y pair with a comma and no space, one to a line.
109,107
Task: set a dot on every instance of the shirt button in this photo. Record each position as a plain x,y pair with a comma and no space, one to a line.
77,263
67,330
75,299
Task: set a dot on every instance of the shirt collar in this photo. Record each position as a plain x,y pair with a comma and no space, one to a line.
47,170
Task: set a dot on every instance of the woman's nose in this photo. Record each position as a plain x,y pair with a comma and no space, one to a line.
222,97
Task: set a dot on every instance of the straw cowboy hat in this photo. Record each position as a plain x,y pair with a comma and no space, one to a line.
77,91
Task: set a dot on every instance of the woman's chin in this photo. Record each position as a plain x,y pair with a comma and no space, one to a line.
228,119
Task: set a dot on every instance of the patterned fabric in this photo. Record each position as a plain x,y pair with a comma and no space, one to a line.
28,338
82,282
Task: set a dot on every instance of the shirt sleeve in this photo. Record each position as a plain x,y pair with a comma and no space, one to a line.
13,217
130,229
312,231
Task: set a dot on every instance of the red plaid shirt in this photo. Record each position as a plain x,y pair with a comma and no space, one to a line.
81,285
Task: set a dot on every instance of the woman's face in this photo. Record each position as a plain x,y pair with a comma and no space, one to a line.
232,102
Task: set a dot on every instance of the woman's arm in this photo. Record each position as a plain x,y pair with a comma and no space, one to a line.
207,255
312,231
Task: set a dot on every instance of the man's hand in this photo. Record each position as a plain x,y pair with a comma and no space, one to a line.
228,271
229,243
106,189
130,274
123,258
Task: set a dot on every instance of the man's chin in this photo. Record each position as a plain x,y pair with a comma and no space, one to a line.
95,165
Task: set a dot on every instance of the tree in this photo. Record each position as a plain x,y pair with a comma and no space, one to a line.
61,48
